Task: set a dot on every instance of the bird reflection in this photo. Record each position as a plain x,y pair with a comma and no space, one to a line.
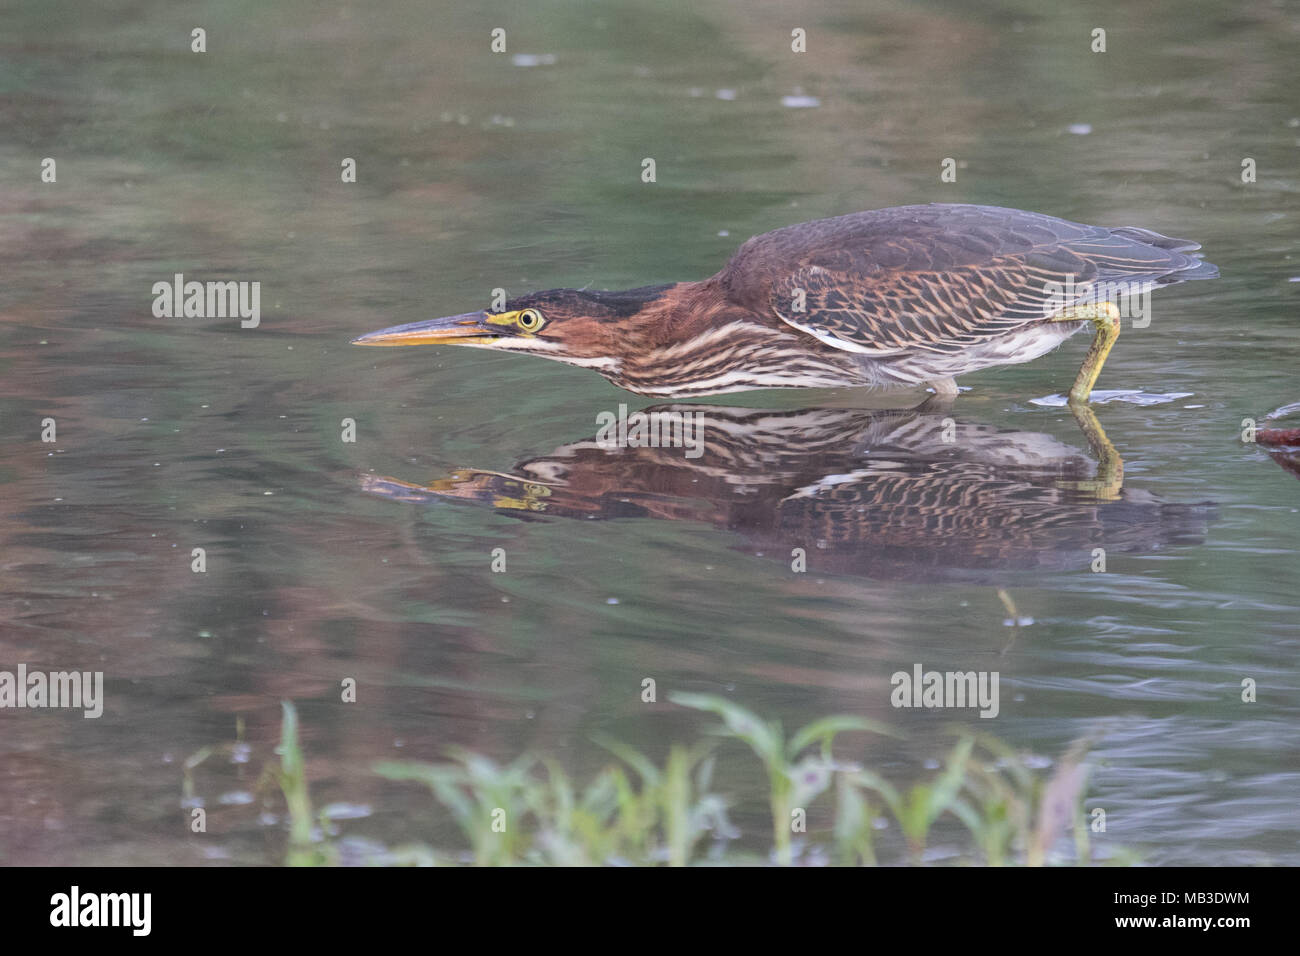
1282,444
866,492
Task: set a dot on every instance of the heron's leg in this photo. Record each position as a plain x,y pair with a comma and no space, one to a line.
1109,481
1104,317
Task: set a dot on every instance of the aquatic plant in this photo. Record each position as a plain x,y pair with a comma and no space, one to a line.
634,811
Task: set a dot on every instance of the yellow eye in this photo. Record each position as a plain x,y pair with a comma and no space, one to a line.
530,320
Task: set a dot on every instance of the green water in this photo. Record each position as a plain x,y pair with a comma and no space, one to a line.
476,173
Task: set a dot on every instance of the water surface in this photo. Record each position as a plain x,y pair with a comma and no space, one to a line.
329,560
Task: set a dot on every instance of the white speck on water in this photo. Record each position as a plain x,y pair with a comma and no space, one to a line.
1079,129
724,232
611,600
1130,396
1283,411
725,94
533,59
800,102
345,811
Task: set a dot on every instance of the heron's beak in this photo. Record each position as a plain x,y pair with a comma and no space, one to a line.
472,328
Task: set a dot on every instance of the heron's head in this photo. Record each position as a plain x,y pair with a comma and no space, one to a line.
579,327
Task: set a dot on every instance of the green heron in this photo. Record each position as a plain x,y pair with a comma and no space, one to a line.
905,296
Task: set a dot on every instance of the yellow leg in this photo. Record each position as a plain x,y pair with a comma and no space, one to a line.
1104,317
1109,481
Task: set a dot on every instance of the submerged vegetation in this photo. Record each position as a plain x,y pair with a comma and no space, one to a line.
633,811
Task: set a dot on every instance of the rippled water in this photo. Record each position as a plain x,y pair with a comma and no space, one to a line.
328,560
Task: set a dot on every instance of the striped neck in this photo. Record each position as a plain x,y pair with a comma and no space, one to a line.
696,343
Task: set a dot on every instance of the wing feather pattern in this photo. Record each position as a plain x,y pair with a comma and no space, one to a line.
941,277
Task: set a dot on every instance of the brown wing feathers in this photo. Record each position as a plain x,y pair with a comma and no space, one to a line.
939,277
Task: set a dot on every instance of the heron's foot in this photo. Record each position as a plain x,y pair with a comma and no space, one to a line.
1104,317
